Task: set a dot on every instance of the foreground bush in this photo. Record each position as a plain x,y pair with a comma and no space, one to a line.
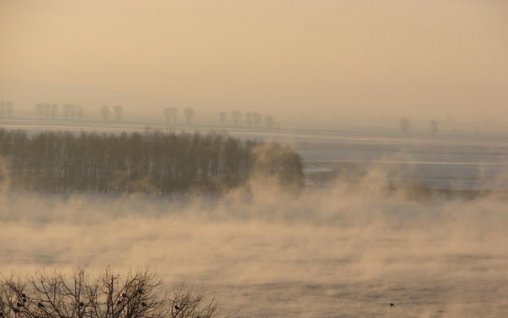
153,162
107,296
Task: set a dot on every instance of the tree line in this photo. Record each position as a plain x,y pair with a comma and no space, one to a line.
151,162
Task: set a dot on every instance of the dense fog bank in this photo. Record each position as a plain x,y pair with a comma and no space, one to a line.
344,250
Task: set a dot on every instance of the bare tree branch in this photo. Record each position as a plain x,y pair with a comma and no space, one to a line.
110,295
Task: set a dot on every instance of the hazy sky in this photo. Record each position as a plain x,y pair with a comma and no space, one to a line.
426,58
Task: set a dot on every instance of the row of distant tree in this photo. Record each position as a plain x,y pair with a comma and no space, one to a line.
52,111
112,113
115,113
406,125
235,118
154,162
250,119
171,115
75,112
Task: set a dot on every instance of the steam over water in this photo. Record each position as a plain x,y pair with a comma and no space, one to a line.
443,161
347,249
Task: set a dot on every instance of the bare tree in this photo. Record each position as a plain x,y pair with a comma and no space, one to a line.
434,126
281,164
249,118
174,116
3,109
67,111
236,116
223,116
269,121
170,114
167,114
105,113
6,109
53,111
46,110
189,115
79,112
257,119
109,295
405,124
118,112
10,109
39,110
72,111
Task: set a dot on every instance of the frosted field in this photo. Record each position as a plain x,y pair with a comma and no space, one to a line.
340,249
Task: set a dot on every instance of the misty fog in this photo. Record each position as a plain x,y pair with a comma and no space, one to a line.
333,63
348,250
310,158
